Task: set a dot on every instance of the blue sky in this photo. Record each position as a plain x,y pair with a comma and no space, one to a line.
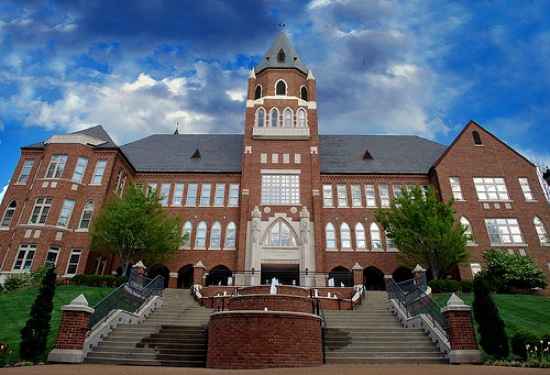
382,67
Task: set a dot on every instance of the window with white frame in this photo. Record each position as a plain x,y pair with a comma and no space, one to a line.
99,172
356,200
345,236
504,231
74,259
40,210
342,193
191,194
370,195
86,216
280,189
475,267
260,117
200,240
274,118
279,234
56,167
233,195
164,193
456,188
80,168
66,212
375,237
51,256
301,115
219,196
121,181
230,235
216,235
288,118
390,245
384,195
206,190
186,233
280,88
541,231
526,189
25,171
330,235
8,214
327,196
360,240
397,191
151,188
491,188
23,261
468,230
177,198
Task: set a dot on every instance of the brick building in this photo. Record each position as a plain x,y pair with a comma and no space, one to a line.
279,200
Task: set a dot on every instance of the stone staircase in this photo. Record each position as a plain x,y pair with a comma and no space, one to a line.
371,334
172,336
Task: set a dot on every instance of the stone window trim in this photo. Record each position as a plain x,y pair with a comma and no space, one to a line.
80,169
491,189
504,231
24,259
25,173
526,189
40,211
86,217
73,262
56,167
456,188
99,171
9,214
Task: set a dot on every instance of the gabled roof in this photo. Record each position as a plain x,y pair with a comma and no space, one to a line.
291,58
97,132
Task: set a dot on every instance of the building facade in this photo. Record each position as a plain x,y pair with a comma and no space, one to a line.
279,200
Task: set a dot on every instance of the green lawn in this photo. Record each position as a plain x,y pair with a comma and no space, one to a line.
15,310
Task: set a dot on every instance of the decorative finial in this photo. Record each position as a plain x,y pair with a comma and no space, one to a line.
281,25
177,128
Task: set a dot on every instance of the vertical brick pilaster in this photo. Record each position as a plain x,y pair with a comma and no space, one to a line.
173,281
198,274
357,274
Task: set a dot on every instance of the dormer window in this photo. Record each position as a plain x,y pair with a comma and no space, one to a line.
477,138
281,56
280,88
258,93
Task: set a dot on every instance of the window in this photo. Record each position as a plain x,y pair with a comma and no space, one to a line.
8,214
389,242
504,231
280,189
370,195
342,195
477,138
177,198
25,171
524,184
186,233
99,171
301,118
230,235
475,267
216,235
279,235
376,241
330,234
490,189
456,188
541,231
345,236
280,88
260,117
164,193
86,215
466,224
281,56
191,195
327,196
80,168
384,195
74,258
200,241
233,195
23,262
56,167
303,93
288,118
151,188
40,211
220,195
66,212
258,92
205,194
51,257
274,118
356,200
360,242
397,191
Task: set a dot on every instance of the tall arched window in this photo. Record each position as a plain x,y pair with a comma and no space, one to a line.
258,93
360,236
230,235
466,224
260,117
216,235
477,138
303,93
390,245
274,118
280,235
9,213
330,234
375,239
345,236
288,118
541,231
200,241
86,215
186,233
280,88
302,123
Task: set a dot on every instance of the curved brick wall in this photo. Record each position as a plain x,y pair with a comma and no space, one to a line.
273,302
281,289
264,339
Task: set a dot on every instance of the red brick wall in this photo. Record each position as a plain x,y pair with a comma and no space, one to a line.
461,331
281,290
272,302
72,330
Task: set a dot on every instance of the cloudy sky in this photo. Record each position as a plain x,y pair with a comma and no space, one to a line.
138,67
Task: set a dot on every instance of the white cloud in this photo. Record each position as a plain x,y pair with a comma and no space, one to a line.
3,192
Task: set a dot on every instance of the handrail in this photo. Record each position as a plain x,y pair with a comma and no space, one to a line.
321,314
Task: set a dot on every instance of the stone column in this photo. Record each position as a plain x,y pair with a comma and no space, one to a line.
69,342
461,332
173,281
255,249
357,275
198,274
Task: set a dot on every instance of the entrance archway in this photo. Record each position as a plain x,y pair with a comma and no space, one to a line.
341,276
185,276
159,269
219,275
287,274
374,279
401,274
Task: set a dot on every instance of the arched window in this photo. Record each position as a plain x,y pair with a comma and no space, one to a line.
330,234
340,277
281,56
360,236
258,93
216,235
219,275
466,224
376,241
200,241
345,236
274,118
260,117
186,233
477,138
280,88
280,235
230,235
303,93
8,214
389,242
288,118
302,123
541,231
86,215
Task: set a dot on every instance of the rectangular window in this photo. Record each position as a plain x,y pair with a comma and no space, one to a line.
327,196
121,186
164,193
384,195
191,195
475,267
397,191
80,169
56,167
219,198
23,262
491,189
121,181
40,210
370,195
456,188
356,200
66,212
177,199
99,171
526,188
25,171
233,195
504,231
280,189
206,190
342,195
51,257
151,188
74,258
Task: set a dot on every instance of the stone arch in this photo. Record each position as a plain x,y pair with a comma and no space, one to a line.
280,234
219,275
374,278
159,269
402,273
341,276
185,276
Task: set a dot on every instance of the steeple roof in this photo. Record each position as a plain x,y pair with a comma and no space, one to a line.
281,54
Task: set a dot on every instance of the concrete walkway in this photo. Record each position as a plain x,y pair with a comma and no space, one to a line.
89,369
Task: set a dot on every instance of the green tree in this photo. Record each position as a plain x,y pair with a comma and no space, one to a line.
34,336
424,231
135,228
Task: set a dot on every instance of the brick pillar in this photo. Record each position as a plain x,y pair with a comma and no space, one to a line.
198,274
461,332
173,281
357,275
69,342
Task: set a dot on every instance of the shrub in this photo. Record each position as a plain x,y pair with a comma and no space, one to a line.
546,337
520,340
99,280
25,280
466,286
444,286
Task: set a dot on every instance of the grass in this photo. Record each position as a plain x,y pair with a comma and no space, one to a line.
15,310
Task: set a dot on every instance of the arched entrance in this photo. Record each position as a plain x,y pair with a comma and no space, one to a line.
219,275
159,269
185,276
401,274
341,277
374,279
287,274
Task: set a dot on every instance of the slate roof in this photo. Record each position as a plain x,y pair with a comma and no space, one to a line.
95,131
292,60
